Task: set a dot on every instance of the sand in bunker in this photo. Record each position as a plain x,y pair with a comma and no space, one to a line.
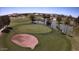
25,40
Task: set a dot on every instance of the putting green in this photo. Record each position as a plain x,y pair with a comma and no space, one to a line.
33,28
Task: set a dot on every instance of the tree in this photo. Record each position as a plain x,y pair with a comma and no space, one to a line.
67,26
32,18
67,21
76,27
4,22
77,20
59,19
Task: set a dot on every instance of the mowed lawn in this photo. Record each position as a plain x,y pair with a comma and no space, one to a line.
49,39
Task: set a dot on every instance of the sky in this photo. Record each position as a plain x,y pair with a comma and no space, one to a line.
74,11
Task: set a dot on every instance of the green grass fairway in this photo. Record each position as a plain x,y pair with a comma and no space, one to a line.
49,40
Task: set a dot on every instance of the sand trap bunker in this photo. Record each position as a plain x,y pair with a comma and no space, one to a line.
25,40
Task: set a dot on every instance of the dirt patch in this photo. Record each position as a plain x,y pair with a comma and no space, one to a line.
1,34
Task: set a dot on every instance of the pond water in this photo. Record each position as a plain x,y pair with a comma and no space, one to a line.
67,29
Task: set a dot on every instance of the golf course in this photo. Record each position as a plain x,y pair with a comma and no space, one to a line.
48,39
